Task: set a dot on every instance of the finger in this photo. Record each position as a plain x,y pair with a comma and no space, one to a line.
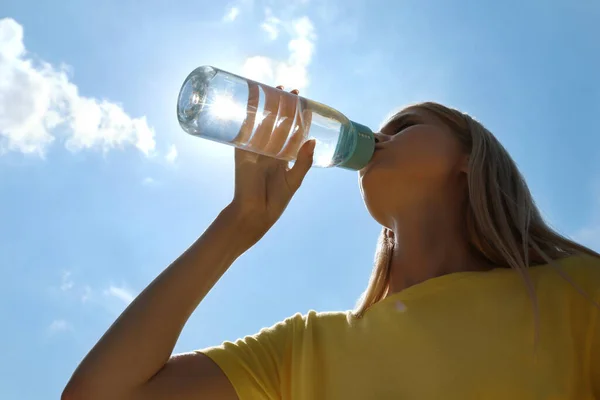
300,129
302,165
295,91
280,87
243,157
286,117
251,110
263,131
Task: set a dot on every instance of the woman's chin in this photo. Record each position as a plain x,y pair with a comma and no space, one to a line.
369,172
368,167
368,180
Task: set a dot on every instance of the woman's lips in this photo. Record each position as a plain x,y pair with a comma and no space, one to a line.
378,148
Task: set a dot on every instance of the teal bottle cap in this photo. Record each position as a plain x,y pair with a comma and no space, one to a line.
364,149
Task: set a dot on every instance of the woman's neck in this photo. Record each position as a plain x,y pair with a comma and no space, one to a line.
430,241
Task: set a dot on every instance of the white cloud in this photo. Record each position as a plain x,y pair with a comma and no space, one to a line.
148,181
111,298
271,24
66,281
120,293
59,325
38,104
172,154
259,68
293,72
87,294
73,289
231,14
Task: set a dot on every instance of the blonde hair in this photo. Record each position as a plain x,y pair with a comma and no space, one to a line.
503,223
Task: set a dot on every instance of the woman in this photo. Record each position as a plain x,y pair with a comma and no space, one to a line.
472,295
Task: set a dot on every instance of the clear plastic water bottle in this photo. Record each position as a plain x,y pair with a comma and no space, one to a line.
227,108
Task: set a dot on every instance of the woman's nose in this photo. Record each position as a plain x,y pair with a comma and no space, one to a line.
381,138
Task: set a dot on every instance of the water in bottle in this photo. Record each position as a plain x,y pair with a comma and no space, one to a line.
227,108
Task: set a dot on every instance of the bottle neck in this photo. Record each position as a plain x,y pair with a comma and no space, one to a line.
363,149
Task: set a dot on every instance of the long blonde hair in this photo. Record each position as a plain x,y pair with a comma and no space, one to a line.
503,223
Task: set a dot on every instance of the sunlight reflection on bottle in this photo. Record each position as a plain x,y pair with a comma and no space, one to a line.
224,107
324,157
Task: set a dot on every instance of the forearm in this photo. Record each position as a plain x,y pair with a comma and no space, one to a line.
142,339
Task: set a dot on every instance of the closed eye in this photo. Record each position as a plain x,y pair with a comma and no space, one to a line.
400,122
406,125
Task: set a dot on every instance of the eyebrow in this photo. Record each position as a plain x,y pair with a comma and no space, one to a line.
394,123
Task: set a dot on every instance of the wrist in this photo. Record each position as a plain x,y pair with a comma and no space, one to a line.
246,229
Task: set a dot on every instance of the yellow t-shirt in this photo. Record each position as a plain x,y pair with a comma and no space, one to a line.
467,335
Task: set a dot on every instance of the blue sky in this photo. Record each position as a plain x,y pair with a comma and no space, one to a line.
101,189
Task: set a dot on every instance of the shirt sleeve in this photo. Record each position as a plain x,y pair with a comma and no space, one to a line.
255,363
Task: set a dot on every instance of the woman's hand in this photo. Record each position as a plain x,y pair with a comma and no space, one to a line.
264,187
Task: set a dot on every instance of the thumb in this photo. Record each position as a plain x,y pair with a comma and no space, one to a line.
303,163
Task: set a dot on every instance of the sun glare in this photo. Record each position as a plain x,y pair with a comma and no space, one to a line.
225,108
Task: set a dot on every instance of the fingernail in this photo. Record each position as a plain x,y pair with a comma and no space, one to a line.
311,145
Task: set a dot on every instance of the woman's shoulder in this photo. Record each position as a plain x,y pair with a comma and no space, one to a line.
581,266
581,270
312,320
